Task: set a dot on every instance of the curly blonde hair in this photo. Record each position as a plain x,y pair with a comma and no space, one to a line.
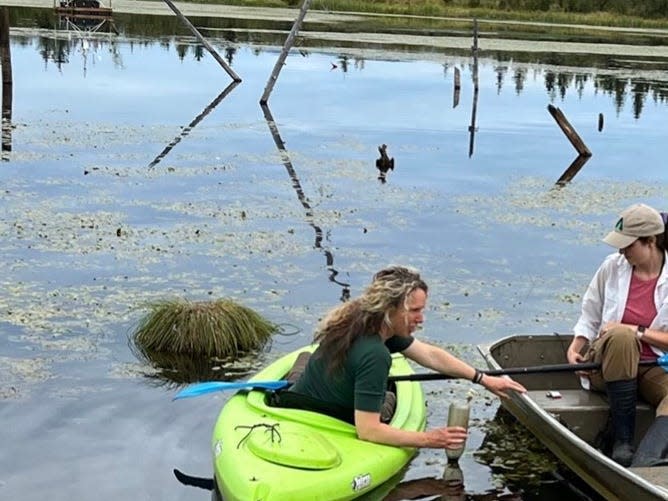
366,314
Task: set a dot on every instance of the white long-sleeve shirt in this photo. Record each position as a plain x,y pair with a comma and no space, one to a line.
606,296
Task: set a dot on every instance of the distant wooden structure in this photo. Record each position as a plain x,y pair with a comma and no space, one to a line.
82,8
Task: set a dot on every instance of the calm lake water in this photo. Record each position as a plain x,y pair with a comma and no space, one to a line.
137,174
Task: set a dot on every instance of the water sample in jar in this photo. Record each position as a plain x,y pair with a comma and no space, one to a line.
458,415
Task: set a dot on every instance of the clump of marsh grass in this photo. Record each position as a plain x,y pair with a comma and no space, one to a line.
213,329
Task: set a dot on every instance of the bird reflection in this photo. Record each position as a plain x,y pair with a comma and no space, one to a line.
280,145
208,109
384,163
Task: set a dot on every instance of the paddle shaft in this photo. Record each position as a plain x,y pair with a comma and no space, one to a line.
197,389
433,376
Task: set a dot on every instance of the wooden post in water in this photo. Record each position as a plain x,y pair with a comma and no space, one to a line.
203,41
7,80
284,53
568,129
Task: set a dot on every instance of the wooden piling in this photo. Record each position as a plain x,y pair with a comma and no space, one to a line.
289,42
569,131
600,122
572,170
203,41
7,80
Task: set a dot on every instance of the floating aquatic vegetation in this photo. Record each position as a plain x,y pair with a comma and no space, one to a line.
16,374
514,453
220,328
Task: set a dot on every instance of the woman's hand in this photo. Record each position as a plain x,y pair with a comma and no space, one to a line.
573,354
448,437
501,385
575,358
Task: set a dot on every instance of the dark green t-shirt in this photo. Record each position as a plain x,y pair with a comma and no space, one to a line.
361,382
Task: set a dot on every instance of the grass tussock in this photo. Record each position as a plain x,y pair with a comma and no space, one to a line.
220,328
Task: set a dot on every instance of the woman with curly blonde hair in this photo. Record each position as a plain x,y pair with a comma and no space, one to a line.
347,374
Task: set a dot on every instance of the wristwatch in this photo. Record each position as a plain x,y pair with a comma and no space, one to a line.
640,331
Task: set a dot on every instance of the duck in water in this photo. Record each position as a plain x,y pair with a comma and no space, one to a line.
384,163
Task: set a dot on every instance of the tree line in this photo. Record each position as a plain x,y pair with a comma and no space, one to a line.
640,8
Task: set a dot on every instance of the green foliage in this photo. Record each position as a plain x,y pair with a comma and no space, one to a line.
640,13
220,329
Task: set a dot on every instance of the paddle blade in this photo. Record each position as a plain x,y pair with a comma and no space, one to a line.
195,390
663,361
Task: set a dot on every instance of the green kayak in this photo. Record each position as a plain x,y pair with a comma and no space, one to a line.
264,453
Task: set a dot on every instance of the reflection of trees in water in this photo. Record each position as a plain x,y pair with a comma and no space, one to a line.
183,49
61,50
303,199
620,88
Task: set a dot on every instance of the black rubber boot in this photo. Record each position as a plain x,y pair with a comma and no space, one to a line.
622,396
653,448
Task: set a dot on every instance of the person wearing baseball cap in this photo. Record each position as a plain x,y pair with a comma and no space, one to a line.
637,221
624,319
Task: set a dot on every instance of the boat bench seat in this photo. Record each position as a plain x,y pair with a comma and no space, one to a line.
586,412
582,400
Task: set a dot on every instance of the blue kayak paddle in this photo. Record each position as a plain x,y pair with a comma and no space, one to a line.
195,390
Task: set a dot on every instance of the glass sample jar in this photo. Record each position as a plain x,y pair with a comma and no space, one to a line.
458,415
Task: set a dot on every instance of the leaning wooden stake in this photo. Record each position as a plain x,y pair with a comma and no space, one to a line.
203,41
566,127
284,53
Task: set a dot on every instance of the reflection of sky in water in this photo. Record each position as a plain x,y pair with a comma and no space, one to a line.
332,124
496,205
501,251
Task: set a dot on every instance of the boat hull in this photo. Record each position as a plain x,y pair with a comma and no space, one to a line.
568,425
268,453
